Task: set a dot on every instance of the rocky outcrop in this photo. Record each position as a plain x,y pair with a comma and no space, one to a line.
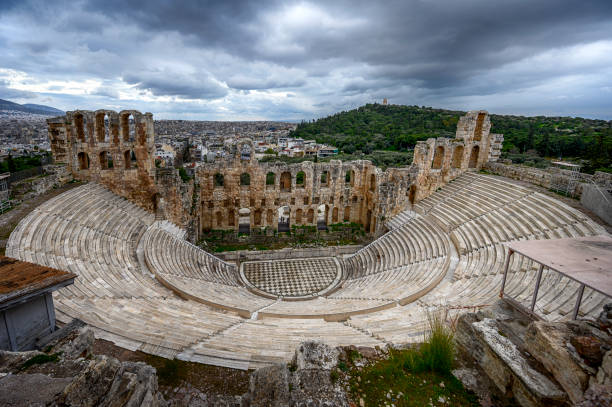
67,374
536,363
307,381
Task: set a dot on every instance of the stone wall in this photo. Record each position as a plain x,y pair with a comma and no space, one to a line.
545,177
256,255
241,193
54,176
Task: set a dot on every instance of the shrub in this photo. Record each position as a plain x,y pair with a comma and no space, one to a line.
438,351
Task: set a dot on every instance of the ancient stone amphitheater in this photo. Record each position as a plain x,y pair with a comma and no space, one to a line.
143,286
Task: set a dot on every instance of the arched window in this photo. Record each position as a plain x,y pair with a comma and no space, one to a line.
324,178
474,157
300,179
128,127
230,218
257,217
219,217
335,215
298,216
322,217
285,182
284,213
270,217
129,159
478,129
310,216
349,177
347,213
218,180
83,161
270,178
79,124
245,179
457,157
244,220
438,158
106,160
372,182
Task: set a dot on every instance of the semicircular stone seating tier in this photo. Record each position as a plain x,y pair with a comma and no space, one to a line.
450,254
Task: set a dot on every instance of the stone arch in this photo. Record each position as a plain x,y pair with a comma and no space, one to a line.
347,214
245,179
231,221
412,193
269,217
80,123
284,215
474,157
300,179
478,128
106,160
298,216
322,212
219,219
457,157
368,223
372,182
257,217
325,178
244,220
349,177
270,179
218,180
335,215
438,158
129,159
285,182
83,161
310,216
128,127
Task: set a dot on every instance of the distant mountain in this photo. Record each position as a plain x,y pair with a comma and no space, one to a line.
30,108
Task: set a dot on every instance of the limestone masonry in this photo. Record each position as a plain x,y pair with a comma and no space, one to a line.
240,193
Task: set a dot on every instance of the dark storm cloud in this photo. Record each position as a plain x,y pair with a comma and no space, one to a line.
321,53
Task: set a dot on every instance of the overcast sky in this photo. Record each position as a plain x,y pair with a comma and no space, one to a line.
234,60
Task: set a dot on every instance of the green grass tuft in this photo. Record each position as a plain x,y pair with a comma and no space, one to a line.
39,360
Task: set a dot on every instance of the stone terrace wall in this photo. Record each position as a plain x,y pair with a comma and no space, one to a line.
544,177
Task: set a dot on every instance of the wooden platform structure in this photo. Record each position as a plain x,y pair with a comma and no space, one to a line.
585,260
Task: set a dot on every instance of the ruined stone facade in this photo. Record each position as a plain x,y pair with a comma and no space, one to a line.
240,193
117,150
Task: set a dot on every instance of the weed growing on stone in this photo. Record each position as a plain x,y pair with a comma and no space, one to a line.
39,360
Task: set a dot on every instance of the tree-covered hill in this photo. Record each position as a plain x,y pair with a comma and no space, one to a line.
397,128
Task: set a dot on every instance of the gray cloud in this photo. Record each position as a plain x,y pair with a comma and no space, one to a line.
510,56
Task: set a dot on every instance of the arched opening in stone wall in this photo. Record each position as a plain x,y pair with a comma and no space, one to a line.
478,129
128,127
457,157
355,199
284,213
219,217
285,182
80,124
245,179
244,220
368,223
257,217
412,193
218,180
322,217
349,177
155,202
474,157
231,219
310,216
106,160
438,158
300,179
298,217
372,182
335,215
129,159
325,179
83,160
270,179
347,214
270,217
